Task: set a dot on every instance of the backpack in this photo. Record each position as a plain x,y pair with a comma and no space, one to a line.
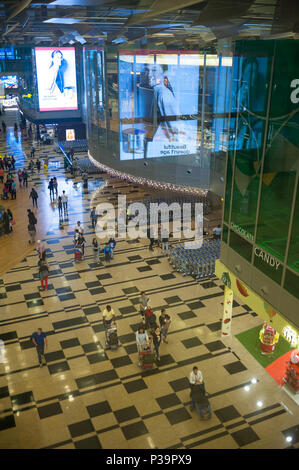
150,318
148,313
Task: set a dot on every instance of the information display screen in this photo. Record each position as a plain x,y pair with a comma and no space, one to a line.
9,81
158,103
56,78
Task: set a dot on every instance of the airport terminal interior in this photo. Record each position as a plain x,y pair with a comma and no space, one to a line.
118,331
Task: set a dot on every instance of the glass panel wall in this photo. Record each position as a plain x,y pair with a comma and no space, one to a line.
293,254
281,156
263,159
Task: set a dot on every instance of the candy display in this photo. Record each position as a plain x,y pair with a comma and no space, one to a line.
291,378
268,338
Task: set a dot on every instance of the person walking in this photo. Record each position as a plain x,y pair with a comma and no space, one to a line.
6,223
55,186
142,341
1,175
112,244
11,219
31,225
96,250
13,162
25,178
108,318
51,189
165,245
80,243
32,233
94,217
43,273
40,342
79,227
59,205
20,177
156,335
38,164
64,199
195,377
107,253
143,304
33,195
164,321
41,250
13,190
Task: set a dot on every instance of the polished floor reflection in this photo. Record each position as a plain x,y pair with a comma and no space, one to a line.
89,397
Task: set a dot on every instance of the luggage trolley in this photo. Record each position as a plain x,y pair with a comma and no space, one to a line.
111,337
146,358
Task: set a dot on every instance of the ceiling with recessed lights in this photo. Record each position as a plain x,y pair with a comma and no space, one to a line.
177,23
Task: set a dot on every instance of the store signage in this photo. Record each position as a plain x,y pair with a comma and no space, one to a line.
242,231
70,134
267,258
291,336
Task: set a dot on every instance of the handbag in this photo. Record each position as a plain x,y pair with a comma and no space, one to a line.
13,222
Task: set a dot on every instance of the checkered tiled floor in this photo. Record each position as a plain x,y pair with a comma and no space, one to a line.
89,397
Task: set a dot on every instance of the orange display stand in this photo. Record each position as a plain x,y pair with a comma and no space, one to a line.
268,339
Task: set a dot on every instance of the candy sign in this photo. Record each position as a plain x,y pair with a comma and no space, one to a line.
291,336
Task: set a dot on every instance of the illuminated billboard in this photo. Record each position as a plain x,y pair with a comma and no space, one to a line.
9,81
70,134
56,78
158,103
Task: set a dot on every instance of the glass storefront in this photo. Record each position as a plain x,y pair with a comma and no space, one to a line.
261,197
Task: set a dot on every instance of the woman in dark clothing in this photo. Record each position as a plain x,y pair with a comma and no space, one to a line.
59,204
80,243
34,197
156,335
6,223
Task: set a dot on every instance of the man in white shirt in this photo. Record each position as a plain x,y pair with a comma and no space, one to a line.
79,227
195,377
64,199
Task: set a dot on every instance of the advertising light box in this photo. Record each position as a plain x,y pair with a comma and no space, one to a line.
158,104
9,81
56,78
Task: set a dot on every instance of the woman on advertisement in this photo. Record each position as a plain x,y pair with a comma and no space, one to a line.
56,70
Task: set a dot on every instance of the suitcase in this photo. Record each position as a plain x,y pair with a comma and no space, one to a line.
112,338
78,254
147,359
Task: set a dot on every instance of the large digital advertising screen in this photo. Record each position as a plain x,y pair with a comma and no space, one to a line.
158,103
56,78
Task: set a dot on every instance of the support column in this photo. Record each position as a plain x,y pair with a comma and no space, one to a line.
227,311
